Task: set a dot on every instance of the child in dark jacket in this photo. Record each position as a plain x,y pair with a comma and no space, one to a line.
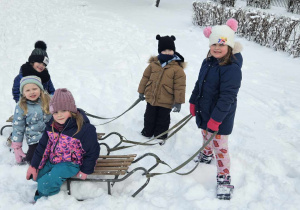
214,99
68,146
163,87
36,66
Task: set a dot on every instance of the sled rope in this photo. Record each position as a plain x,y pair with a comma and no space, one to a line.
186,162
113,118
178,125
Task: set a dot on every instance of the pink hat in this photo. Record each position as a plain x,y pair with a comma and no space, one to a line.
62,100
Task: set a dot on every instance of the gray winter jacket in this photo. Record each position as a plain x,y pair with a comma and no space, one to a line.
32,124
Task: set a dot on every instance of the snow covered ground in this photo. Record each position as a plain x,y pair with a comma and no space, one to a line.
99,50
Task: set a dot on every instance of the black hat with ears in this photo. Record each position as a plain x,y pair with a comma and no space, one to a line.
165,43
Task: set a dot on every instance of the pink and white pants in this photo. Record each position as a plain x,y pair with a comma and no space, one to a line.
218,145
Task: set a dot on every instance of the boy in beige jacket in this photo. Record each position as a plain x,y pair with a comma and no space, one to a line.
163,86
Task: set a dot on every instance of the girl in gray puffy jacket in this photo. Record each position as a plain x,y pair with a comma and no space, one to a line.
31,114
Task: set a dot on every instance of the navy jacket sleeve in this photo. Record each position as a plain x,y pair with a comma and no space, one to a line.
16,88
195,92
39,151
91,147
230,83
50,88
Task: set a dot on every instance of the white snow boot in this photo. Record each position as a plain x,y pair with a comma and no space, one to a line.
202,158
224,188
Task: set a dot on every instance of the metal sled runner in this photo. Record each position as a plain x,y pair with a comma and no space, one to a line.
117,166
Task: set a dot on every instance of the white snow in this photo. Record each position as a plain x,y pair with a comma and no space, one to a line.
99,50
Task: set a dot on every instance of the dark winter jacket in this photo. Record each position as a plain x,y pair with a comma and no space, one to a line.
28,70
164,86
215,93
82,149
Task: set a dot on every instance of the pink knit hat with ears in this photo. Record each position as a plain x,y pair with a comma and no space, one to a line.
62,100
222,34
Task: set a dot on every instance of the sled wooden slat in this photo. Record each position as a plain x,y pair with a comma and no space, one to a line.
99,135
109,173
116,160
10,119
114,164
110,168
117,156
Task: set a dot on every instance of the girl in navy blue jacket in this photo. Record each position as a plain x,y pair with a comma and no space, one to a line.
214,99
67,148
36,66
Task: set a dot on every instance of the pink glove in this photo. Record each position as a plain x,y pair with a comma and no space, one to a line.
81,175
213,125
192,109
32,172
19,154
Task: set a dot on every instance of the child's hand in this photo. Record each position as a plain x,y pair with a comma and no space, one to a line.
176,107
141,96
32,173
213,125
81,175
19,154
193,110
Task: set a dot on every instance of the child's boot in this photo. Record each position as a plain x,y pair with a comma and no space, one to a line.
202,158
224,189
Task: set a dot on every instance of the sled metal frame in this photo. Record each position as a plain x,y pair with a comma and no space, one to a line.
6,126
116,165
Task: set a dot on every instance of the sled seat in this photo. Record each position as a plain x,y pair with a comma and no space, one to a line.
118,167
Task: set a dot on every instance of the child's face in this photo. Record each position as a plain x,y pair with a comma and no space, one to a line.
167,52
218,50
39,67
31,92
61,116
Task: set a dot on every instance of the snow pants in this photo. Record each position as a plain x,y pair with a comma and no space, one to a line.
218,145
51,177
156,120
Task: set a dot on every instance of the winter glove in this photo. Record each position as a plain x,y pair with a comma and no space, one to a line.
176,107
81,175
19,154
141,96
32,173
213,125
193,109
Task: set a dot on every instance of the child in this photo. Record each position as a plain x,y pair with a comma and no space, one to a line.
36,65
68,146
163,87
31,114
214,99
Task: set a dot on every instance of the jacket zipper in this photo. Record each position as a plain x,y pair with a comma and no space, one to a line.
59,137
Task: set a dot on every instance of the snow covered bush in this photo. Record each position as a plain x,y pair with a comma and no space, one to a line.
264,4
227,3
279,33
294,6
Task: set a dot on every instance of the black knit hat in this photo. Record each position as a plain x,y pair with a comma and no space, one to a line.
165,42
39,53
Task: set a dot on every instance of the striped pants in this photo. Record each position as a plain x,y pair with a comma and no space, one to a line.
218,146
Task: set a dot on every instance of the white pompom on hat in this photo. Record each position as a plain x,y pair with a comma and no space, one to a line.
222,34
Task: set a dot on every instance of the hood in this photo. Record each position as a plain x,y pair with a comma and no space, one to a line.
180,62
